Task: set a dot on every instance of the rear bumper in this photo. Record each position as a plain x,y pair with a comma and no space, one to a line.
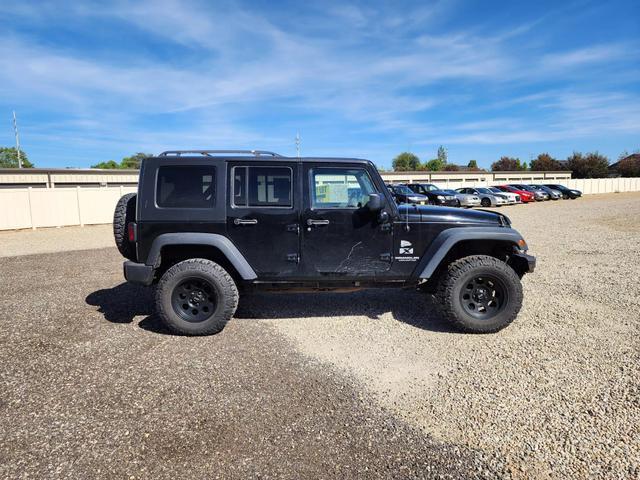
138,273
523,262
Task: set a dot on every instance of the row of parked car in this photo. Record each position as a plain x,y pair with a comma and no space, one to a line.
496,196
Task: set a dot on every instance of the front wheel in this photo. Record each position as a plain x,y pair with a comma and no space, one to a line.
479,294
485,202
196,297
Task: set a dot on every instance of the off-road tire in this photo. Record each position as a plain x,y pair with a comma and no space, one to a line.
458,275
220,281
124,213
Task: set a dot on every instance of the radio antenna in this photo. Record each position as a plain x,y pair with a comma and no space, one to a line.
15,128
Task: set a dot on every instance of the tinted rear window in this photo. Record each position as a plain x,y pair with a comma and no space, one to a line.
186,186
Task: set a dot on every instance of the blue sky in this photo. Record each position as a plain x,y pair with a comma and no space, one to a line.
98,81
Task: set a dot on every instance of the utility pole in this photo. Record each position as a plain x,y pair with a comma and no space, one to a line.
298,145
15,128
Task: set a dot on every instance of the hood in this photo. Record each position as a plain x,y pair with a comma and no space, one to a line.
434,214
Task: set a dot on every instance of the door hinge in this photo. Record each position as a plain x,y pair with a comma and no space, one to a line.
293,257
294,227
385,257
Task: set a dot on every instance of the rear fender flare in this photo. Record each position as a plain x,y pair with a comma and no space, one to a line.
220,242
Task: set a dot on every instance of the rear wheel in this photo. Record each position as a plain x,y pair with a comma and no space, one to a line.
124,213
196,297
479,294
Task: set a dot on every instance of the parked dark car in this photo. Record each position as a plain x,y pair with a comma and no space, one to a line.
553,194
436,195
402,194
208,224
566,192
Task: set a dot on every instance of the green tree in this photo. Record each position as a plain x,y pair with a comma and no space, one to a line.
110,164
591,165
507,164
132,162
442,155
434,165
451,167
472,165
9,158
406,162
545,162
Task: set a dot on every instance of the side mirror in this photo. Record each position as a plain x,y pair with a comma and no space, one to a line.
375,202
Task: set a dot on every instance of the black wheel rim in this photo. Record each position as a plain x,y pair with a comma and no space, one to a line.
483,296
194,299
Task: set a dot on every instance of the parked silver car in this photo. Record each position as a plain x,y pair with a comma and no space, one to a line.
487,198
553,194
466,201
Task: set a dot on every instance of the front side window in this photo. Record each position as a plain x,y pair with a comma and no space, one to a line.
186,186
262,187
340,187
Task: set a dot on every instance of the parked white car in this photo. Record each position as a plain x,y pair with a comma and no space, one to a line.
487,198
512,198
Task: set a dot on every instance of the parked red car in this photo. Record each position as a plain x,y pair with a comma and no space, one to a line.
525,196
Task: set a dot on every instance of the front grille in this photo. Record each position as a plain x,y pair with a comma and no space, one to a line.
517,198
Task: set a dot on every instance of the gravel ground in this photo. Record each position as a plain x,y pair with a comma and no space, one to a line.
370,384
92,386
46,240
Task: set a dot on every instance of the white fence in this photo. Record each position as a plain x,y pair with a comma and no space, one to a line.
58,207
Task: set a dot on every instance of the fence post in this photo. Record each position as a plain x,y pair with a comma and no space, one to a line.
33,227
79,206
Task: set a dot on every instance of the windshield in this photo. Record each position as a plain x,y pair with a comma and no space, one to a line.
484,190
429,187
402,189
450,192
495,190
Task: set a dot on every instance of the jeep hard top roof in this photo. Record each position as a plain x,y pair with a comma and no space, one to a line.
252,155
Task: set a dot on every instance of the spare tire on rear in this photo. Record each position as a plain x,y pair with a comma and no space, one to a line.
125,212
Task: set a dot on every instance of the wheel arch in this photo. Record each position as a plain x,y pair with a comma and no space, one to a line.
455,243
169,248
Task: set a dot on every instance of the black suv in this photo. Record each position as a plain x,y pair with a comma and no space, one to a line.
402,194
436,196
208,223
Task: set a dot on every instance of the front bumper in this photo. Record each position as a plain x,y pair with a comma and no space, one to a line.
138,273
523,262
448,203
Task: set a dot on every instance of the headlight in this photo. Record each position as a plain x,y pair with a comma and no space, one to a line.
440,197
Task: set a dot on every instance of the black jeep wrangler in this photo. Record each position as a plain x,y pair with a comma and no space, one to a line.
208,223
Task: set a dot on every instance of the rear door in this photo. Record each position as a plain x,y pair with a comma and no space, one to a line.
263,216
341,237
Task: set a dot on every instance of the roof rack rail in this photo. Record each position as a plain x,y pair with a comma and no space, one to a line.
211,153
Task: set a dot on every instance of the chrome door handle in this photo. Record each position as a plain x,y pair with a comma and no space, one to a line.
248,221
312,222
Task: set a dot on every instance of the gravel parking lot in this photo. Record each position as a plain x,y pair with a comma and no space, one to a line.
369,384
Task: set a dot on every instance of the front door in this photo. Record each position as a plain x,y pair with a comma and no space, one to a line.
341,237
263,219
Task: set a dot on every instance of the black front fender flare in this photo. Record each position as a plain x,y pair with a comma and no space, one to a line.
445,241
